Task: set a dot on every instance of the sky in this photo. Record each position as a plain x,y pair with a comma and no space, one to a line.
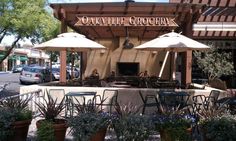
9,39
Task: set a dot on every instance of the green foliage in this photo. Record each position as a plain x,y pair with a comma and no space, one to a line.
11,110
50,108
46,131
130,126
174,122
90,120
215,63
85,125
26,19
220,128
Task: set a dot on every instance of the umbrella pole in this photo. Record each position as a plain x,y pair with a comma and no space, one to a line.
50,66
81,64
174,65
163,64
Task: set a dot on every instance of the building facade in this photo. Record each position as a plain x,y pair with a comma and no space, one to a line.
23,56
120,26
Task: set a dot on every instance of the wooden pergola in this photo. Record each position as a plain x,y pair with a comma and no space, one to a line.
181,17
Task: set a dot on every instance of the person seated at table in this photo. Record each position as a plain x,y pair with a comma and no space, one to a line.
95,74
111,77
144,79
144,74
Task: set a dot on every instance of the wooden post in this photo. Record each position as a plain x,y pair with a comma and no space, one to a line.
63,56
187,60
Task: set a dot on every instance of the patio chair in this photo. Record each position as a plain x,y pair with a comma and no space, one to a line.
206,102
108,100
150,100
211,100
58,95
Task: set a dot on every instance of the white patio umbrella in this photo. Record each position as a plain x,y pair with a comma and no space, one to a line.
69,42
172,42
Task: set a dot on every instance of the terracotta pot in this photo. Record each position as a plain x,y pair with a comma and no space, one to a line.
100,135
205,138
166,137
20,130
59,126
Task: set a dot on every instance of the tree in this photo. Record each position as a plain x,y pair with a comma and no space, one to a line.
26,19
215,63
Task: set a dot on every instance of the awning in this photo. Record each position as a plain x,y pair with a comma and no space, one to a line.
13,57
1,56
23,58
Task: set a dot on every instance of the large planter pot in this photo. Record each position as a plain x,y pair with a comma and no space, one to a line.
20,130
165,135
59,127
204,136
100,135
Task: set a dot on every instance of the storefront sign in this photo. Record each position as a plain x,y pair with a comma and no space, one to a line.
125,21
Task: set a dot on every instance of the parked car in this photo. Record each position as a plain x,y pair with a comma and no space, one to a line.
17,68
35,74
56,73
75,71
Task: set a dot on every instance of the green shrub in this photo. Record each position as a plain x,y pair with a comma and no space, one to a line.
45,132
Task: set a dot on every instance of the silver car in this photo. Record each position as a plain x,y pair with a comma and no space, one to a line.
35,74
56,74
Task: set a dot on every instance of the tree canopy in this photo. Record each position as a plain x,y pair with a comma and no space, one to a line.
215,62
26,19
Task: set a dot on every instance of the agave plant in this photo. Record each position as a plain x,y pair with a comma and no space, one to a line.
17,107
50,109
129,125
90,120
13,110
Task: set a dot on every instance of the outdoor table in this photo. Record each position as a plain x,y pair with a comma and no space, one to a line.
174,99
166,84
72,98
120,84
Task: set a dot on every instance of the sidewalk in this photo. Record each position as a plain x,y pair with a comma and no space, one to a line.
5,72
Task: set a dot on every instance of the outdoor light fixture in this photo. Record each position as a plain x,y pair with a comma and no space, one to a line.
127,44
154,52
102,51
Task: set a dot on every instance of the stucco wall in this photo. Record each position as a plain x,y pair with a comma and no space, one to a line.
106,61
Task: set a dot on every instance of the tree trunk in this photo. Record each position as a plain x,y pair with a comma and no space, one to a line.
9,50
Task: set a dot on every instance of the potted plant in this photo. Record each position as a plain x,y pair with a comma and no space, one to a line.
90,124
219,128
216,124
15,118
173,125
129,125
50,110
46,132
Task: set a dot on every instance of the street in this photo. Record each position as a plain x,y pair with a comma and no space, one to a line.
14,86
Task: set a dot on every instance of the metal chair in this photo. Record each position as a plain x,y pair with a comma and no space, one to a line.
57,94
211,100
108,99
205,102
80,100
150,100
